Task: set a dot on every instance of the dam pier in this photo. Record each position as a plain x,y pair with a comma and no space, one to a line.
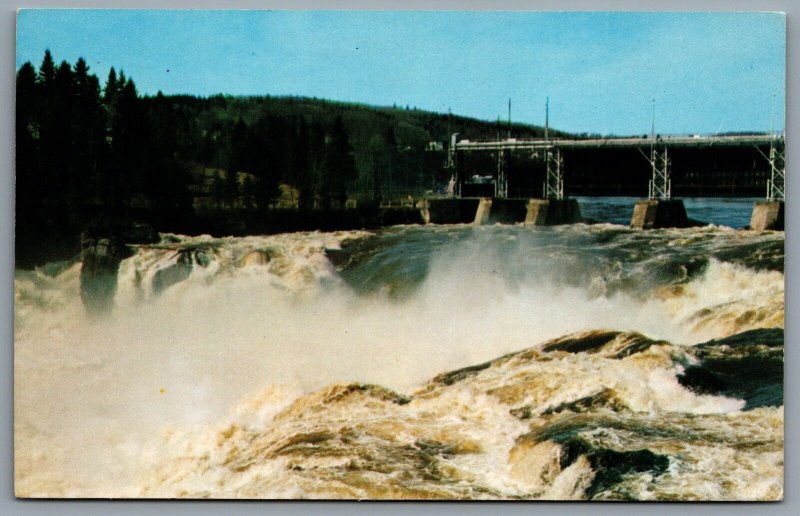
499,210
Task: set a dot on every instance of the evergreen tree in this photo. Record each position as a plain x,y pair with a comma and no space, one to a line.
47,74
303,167
231,186
87,131
110,94
26,89
29,220
391,153
48,119
110,90
377,164
218,190
129,142
60,161
316,153
340,166
236,161
248,192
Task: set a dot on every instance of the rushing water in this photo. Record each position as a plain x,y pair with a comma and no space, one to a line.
573,362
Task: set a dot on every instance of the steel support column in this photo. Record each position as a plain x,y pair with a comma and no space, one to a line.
501,186
554,181
660,185
776,190
454,185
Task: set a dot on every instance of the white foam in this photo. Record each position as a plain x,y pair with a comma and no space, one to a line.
97,393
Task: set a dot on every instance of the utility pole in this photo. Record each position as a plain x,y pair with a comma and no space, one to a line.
509,117
546,117
772,121
653,126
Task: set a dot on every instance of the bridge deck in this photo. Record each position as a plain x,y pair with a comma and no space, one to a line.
666,141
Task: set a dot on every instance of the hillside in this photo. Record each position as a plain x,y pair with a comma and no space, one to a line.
396,150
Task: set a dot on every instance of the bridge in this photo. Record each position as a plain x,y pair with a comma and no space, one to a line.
550,150
654,149
565,143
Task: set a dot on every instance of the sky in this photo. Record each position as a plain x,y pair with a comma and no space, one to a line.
604,72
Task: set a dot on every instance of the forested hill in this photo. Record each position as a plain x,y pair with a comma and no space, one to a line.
395,150
413,127
95,153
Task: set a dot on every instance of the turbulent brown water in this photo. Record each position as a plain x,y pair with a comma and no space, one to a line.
579,362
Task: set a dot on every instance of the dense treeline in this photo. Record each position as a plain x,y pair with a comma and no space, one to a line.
88,154
92,154
82,149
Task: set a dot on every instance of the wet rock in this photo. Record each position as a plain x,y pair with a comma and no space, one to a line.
582,343
614,344
175,273
535,463
460,374
606,398
255,258
609,465
339,392
202,258
100,258
104,244
748,365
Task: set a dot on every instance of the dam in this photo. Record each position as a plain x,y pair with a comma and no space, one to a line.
495,195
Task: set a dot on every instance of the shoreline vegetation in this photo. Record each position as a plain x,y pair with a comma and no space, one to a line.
102,159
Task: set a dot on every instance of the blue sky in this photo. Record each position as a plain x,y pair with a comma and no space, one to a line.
708,72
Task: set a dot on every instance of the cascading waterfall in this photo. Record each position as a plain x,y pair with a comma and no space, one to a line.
576,362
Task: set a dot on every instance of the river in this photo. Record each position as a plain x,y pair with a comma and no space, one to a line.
415,362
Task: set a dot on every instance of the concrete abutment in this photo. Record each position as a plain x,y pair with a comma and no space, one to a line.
449,211
552,212
659,213
767,215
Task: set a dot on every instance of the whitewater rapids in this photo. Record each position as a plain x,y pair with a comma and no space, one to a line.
579,362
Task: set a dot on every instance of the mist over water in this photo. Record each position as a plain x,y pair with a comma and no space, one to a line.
313,365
